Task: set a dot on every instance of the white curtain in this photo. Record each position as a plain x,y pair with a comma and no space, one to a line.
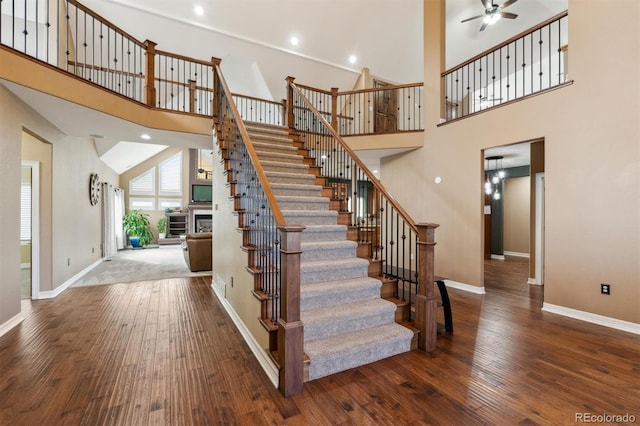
112,212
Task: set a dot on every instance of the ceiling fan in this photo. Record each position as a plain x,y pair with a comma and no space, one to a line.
493,12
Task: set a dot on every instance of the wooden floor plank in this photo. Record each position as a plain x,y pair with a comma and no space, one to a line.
165,352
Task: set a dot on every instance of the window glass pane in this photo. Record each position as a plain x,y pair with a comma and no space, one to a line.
170,181
142,203
169,203
143,184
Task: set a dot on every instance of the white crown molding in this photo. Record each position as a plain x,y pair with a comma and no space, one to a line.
12,322
260,353
465,287
630,327
56,292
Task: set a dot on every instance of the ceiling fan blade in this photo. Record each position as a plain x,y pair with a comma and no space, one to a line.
508,15
507,4
484,25
472,18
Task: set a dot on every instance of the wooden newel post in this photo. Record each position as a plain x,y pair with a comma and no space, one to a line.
334,108
290,122
192,96
150,76
216,85
426,303
290,330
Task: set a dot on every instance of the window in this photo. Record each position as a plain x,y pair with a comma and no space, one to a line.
165,203
144,184
25,212
170,176
142,203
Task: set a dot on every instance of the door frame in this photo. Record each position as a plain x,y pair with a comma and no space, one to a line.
35,226
539,267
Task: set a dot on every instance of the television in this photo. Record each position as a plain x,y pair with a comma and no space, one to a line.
201,194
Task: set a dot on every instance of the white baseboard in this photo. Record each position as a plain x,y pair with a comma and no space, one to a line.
261,355
12,322
533,281
464,287
56,292
25,265
516,254
630,327
497,256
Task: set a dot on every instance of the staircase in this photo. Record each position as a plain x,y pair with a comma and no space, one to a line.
346,322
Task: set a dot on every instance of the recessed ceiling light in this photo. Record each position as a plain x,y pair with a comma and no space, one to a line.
294,41
145,136
353,59
198,10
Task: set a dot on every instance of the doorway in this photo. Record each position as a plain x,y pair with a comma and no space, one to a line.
30,230
513,211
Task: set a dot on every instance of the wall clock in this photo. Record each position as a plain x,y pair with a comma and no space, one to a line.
94,189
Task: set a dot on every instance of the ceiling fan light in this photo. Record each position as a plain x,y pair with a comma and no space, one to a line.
491,18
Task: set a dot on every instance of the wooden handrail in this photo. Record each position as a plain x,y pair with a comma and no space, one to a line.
103,69
266,186
106,22
357,160
325,92
508,41
267,101
380,89
184,58
179,83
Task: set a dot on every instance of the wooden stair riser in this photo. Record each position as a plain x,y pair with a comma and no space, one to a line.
375,268
364,250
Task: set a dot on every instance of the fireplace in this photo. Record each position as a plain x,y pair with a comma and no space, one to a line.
202,223
200,218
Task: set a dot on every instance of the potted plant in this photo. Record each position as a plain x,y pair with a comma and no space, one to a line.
138,227
162,228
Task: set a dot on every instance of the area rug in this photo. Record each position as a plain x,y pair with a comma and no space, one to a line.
127,266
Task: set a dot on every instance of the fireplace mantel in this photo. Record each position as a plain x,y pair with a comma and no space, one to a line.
197,213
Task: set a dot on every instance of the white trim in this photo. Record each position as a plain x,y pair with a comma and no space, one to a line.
533,281
261,355
497,257
516,254
25,265
12,322
464,287
539,207
35,226
630,327
54,293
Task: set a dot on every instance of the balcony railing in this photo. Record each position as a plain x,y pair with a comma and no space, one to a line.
387,109
71,37
529,63
260,110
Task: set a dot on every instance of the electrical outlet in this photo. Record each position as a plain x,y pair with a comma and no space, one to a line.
605,288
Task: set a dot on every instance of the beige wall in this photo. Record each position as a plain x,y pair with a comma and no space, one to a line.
229,260
75,225
516,215
591,152
155,215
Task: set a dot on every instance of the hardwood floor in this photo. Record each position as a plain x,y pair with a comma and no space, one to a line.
164,352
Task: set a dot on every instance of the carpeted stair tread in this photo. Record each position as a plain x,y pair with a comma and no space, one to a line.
293,202
323,294
334,269
269,165
324,233
345,318
294,189
342,352
328,250
274,147
285,177
278,156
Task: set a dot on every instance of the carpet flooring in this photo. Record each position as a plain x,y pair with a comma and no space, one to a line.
151,263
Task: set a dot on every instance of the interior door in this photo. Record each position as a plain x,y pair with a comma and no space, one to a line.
386,109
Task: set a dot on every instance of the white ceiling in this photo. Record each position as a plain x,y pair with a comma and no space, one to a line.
385,35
